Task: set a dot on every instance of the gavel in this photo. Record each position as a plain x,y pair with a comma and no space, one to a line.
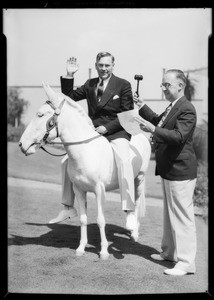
138,78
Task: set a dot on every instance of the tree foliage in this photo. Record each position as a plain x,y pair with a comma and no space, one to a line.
15,106
190,88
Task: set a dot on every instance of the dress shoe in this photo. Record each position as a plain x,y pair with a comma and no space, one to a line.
157,257
63,215
175,272
131,221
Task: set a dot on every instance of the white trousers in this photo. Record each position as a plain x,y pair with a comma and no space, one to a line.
125,176
125,173
68,195
179,241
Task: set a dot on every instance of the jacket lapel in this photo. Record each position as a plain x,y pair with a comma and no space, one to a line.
173,110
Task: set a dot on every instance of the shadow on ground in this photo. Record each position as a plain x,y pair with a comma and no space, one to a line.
68,236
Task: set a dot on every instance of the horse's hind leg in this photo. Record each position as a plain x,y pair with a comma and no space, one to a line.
139,202
100,197
81,197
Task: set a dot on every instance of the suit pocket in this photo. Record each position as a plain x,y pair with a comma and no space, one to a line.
116,97
115,103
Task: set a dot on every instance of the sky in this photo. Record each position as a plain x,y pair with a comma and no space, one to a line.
143,41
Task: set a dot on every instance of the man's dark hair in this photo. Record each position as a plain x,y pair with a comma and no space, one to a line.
179,75
103,54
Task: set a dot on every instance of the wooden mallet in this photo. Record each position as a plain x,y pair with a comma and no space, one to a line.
138,78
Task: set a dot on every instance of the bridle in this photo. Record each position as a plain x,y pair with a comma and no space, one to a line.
51,123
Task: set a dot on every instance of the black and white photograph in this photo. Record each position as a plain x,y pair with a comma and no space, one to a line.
107,150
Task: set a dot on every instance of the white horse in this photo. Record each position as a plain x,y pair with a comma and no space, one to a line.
91,163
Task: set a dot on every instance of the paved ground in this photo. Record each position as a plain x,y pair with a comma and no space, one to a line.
111,196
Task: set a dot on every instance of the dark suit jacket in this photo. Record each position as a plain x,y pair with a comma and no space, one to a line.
175,156
105,112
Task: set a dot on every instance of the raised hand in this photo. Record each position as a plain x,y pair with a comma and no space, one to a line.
71,66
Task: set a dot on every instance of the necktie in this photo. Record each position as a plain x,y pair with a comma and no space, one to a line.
165,115
100,91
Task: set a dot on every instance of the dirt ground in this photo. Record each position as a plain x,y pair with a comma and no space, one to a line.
41,257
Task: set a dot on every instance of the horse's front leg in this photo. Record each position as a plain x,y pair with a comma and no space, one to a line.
81,197
100,197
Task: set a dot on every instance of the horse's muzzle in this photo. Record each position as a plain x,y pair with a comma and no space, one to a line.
22,149
25,151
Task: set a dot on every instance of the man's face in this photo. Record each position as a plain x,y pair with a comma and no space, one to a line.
104,67
171,86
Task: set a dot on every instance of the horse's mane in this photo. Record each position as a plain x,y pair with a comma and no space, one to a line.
78,108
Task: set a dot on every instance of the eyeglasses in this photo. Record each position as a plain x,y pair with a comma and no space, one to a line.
167,85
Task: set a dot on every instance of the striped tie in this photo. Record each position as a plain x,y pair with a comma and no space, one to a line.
165,115
100,91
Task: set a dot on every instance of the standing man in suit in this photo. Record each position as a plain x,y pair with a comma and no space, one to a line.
177,165
106,96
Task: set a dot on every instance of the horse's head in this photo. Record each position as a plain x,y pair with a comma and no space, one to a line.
49,122
44,126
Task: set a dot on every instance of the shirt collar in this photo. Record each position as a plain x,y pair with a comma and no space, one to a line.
105,81
173,103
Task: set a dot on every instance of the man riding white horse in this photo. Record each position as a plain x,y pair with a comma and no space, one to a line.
106,96
91,165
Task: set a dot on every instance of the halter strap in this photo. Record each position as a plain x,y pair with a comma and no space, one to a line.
52,121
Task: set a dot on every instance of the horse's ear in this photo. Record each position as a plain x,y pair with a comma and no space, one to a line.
49,91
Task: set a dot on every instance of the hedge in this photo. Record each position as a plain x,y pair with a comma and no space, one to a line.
14,133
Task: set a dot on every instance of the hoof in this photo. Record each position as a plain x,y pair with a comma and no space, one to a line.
131,221
135,234
80,253
104,256
134,239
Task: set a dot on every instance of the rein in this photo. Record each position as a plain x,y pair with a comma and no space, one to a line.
67,144
52,153
51,123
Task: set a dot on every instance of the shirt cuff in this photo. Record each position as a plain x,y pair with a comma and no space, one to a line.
141,106
67,77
